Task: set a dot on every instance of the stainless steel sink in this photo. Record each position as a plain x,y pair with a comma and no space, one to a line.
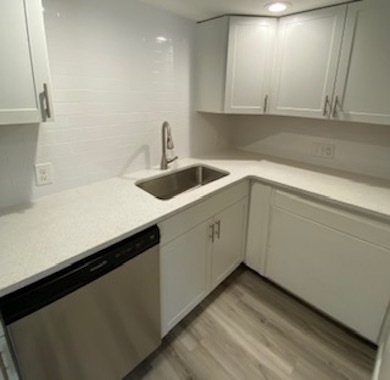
167,186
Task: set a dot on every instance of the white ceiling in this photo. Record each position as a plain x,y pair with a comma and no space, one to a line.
204,9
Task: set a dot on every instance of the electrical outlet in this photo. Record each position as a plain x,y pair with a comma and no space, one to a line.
323,150
43,174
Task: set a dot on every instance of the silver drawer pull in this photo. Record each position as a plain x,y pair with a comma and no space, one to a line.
211,236
265,104
218,231
47,100
326,106
336,104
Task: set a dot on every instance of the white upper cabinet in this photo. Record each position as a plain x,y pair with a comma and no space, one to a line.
234,57
363,82
24,72
306,62
330,63
249,64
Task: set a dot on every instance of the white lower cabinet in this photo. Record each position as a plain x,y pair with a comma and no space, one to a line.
229,241
200,247
258,221
7,367
337,261
184,282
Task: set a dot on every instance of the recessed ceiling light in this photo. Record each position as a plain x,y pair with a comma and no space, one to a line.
161,39
277,6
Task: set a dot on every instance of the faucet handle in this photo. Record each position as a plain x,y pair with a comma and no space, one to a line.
170,145
172,159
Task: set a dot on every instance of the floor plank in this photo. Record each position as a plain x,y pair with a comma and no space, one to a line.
250,329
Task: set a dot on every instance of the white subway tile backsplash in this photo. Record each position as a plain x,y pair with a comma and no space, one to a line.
17,154
114,83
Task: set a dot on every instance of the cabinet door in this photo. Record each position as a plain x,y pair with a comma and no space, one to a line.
40,60
249,64
363,81
184,274
3,368
306,62
7,367
229,241
382,364
211,51
18,101
24,69
258,221
344,276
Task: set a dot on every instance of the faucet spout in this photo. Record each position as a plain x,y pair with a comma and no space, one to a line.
167,143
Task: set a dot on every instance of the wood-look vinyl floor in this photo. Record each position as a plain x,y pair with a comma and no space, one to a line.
249,329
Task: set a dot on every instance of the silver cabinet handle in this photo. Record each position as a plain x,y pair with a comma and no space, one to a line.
218,231
46,95
211,236
2,367
336,103
265,104
326,106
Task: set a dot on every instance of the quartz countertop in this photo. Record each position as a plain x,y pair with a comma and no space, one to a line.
58,230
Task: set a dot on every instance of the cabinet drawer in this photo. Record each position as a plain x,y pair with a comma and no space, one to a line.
361,227
187,219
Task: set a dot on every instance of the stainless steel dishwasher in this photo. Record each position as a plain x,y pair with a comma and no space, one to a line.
96,319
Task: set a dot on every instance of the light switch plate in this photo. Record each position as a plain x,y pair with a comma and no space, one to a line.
43,174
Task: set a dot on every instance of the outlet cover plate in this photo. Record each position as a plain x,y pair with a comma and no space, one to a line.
43,174
323,150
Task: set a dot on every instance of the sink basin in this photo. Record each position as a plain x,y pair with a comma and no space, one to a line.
169,185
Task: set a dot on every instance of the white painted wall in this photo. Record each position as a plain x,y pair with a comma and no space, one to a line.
114,83
360,148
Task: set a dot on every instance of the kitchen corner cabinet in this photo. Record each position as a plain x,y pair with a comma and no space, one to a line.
336,260
307,56
258,222
24,70
362,90
234,62
200,247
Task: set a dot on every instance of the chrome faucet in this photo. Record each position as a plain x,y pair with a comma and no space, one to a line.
167,143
